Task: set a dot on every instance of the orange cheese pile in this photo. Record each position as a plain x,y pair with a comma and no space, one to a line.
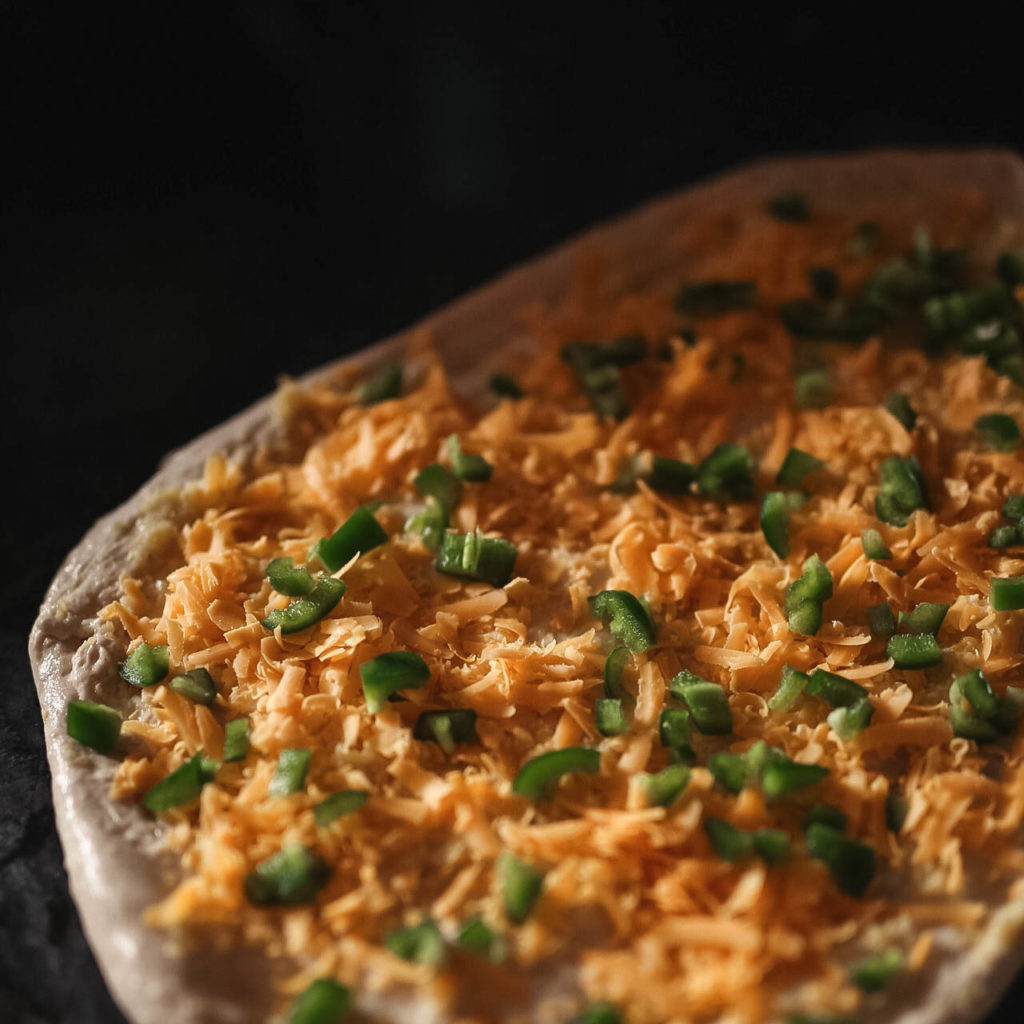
658,924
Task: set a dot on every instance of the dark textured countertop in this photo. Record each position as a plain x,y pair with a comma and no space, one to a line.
198,202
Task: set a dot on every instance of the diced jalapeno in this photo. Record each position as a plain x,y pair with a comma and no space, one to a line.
837,690
324,1001
874,545
775,522
290,776
847,722
806,596
781,778
729,770
664,788
94,725
384,383
727,472
145,666
925,618
898,405
628,619
707,702
614,666
474,468
290,878
852,864
419,944
504,385
476,936
446,728
390,672
710,297
792,684
476,557
305,612
914,650
902,490
182,786
795,466
1007,594
812,390
881,621
197,686
999,431
825,814
358,534
437,481
873,973
540,773
521,885
339,804
610,717
789,206
286,579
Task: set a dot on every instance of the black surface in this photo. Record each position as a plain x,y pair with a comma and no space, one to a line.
199,201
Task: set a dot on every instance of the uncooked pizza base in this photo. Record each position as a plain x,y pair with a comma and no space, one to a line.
112,851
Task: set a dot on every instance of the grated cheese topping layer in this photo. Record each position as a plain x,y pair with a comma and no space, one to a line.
634,896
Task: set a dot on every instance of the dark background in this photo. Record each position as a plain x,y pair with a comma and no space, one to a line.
197,201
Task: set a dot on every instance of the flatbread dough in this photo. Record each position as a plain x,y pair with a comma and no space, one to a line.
112,850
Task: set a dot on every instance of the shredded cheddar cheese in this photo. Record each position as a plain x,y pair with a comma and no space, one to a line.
658,924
